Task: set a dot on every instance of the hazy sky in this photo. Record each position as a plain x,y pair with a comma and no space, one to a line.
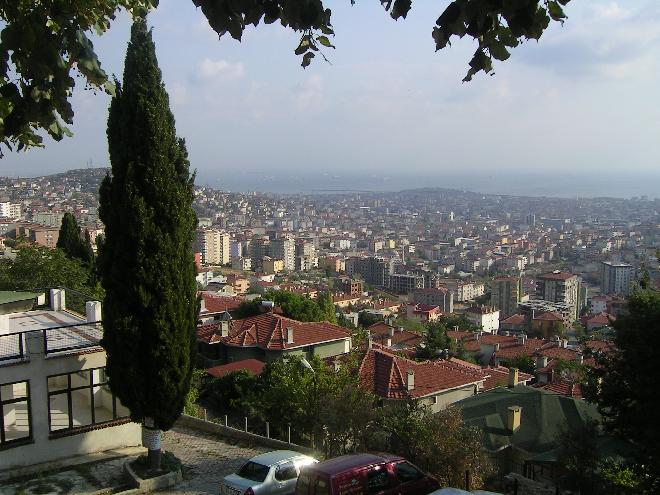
584,98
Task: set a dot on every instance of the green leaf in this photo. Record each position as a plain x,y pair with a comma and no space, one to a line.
307,58
555,11
499,51
324,41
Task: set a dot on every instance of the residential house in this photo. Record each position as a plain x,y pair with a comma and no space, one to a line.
54,391
396,379
268,337
487,317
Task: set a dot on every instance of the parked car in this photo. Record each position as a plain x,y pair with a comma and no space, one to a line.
365,474
272,473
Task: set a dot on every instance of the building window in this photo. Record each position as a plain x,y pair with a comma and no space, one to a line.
15,424
81,399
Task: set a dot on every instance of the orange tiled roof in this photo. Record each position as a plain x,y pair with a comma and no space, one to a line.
380,332
216,304
269,331
499,375
254,366
385,374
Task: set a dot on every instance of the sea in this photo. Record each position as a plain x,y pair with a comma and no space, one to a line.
539,184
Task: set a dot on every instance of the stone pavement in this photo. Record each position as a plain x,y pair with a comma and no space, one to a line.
206,459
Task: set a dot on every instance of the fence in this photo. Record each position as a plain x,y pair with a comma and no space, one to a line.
237,434
12,346
71,337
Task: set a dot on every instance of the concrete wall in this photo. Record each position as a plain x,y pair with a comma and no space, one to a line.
43,448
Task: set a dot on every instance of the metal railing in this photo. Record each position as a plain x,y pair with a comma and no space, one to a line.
12,347
72,337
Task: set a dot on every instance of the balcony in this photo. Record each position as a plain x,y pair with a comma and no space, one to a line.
49,330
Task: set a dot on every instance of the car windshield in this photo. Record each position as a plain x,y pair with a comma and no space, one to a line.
253,471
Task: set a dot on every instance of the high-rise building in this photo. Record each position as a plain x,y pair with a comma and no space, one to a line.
506,293
560,287
284,249
259,248
214,246
616,278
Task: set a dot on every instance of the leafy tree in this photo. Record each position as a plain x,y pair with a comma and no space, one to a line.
43,42
327,307
343,321
411,325
453,321
248,308
146,264
365,320
233,394
435,341
440,443
38,267
296,306
523,363
623,382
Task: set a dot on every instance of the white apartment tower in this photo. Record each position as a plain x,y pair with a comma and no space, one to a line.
214,246
616,278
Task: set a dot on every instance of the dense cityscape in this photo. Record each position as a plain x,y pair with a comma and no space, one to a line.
404,286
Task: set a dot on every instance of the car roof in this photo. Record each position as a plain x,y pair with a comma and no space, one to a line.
344,463
276,456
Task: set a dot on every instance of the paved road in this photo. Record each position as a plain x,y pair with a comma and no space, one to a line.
206,459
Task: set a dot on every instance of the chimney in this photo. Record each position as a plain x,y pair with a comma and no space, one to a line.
390,331
370,342
410,380
4,324
202,305
580,358
496,346
388,342
57,300
564,343
513,418
289,335
522,338
336,365
513,377
400,329
224,329
477,336
93,311
541,362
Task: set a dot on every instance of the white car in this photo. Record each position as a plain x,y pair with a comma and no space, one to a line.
272,473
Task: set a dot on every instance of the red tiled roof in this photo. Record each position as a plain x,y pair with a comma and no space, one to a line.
385,375
216,304
499,376
380,332
549,316
269,331
562,388
514,320
254,366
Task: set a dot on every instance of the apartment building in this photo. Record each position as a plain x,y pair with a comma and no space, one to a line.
375,270
560,287
214,246
441,297
506,294
487,317
616,278
464,291
39,234
284,249
54,391
404,283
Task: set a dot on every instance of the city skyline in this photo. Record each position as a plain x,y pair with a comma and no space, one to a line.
579,101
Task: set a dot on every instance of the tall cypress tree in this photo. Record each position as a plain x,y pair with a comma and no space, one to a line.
69,237
146,262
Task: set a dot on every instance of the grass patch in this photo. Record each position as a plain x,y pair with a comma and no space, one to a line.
168,463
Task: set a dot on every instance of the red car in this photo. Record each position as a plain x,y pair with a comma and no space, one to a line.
365,474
